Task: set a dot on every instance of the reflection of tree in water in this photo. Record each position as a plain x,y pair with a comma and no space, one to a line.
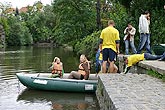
76,106
60,100
57,106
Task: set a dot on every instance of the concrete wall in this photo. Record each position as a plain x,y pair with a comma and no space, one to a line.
104,100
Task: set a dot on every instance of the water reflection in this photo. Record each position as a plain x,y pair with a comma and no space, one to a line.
60,100
38,59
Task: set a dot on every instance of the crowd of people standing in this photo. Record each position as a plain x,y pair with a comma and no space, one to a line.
109,48
110,41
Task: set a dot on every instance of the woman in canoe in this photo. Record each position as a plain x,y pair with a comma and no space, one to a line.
57,68
83,71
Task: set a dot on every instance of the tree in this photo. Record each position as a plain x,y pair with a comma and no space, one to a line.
77,19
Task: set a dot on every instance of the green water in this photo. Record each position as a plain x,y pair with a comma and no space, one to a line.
15,96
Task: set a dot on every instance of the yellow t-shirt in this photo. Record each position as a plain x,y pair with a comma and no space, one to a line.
133,59
101,56
109,36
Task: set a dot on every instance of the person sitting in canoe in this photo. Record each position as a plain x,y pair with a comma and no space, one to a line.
83,71
57,68
135,58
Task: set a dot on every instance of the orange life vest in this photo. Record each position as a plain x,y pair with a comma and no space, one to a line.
57,68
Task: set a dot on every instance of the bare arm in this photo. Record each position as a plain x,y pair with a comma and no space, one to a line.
100,46
117,46
126,69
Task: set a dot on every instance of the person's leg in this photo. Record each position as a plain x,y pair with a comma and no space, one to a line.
112,56
133,47
97,67
74,75
115,69
163,57
111,67
101,64
105,59
143,39
148,48
104,67
126,47
149,56
107,66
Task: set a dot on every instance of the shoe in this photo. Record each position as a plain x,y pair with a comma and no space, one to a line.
118,71
163,57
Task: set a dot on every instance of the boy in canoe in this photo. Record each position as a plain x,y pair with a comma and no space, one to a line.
83,71
135,58
57,68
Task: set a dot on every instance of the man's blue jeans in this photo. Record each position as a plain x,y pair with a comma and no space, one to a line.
149,56
144,42
127,42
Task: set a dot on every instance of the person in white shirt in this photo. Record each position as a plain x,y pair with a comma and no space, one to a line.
129,38
144,22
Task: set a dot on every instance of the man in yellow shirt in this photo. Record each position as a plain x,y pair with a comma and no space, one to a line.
133,59
109,46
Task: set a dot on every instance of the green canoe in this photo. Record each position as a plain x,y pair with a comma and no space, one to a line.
159,49
41,81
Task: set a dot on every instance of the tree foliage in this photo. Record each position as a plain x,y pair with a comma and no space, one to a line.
75,22
88,45
76,19
157,11
18,33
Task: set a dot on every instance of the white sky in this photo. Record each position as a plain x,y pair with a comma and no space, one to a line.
23,3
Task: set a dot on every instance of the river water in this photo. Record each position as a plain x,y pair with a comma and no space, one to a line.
15,96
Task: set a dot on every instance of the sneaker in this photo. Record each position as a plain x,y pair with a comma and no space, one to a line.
163,57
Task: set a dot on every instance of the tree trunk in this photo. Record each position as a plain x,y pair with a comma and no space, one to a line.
98,7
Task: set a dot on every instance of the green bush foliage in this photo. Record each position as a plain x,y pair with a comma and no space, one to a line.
88,45
74,22
18,33
76,19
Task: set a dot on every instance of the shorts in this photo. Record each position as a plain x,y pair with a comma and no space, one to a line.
108,53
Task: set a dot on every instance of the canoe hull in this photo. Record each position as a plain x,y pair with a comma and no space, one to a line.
57,84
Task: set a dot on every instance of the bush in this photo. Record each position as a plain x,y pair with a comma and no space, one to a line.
88,45
18,33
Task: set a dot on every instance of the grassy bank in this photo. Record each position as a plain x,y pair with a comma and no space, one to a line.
156,75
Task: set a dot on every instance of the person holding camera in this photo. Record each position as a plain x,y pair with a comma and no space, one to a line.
129,38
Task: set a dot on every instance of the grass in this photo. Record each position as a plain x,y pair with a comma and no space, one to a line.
156,75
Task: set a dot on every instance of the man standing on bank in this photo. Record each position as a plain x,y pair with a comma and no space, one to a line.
109,46
144,22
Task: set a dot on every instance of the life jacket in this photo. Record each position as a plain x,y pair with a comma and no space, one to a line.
82,70
57,68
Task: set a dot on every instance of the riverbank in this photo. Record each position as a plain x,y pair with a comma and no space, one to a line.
133,91
130,92
65,46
